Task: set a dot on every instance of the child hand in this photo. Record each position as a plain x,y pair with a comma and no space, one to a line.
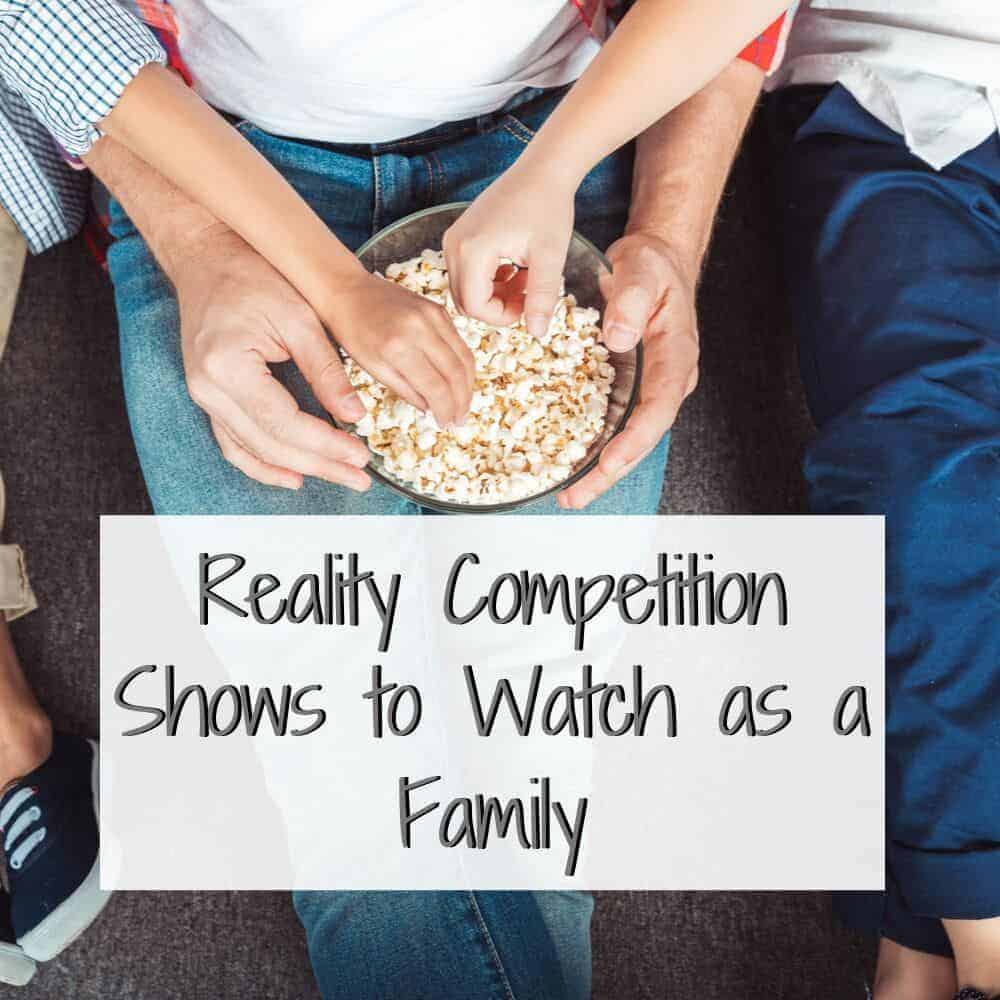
407,342
523,216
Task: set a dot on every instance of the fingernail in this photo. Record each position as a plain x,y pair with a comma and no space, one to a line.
537,324
619,338
354,409
612,466
358,482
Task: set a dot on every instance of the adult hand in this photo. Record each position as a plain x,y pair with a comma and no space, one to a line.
650,295
526,217
238,316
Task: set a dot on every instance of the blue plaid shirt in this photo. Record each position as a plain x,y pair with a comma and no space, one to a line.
63,66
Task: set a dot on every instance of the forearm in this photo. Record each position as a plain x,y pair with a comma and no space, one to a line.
682,163
662,53
170,128
173,225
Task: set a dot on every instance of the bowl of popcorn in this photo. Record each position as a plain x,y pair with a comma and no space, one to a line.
542,408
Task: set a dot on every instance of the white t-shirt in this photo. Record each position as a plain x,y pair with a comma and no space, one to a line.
376,70
929,69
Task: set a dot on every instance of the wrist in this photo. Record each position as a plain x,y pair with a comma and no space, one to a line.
195,246
201,248
683,254
340,286
535,168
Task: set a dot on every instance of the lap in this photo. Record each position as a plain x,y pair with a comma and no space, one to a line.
534,944
184,471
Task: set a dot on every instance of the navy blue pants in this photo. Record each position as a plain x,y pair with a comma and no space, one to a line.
893,281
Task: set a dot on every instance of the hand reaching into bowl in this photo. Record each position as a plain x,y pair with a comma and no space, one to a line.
524,216
406,342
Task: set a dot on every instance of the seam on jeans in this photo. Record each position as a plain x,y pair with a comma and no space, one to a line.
442,173
377,195
429,140
517,129
440,182
431,179
491,945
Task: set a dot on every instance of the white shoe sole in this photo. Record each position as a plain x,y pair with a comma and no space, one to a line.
16,968
79,910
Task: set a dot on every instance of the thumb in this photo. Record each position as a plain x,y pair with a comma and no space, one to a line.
542,291
320,362
631,304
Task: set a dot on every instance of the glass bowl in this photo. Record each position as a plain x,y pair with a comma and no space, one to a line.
585,265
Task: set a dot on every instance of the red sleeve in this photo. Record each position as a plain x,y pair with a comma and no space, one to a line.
767,49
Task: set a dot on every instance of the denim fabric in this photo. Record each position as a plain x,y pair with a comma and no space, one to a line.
443,945
436,945
356,190
894,284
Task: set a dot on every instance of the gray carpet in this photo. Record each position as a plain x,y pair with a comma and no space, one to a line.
67,457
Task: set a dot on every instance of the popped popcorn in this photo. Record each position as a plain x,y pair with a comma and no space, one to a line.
537,405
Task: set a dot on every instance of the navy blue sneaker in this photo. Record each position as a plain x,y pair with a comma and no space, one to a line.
48,822
16,968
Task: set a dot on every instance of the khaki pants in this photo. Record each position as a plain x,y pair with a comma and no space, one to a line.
16,596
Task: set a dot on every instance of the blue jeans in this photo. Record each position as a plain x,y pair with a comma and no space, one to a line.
893,272
448,945
356,190
535,946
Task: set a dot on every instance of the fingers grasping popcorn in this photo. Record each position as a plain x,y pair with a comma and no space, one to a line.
537,404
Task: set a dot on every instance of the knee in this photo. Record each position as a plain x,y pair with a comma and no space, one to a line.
931,466
921,452
349,936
